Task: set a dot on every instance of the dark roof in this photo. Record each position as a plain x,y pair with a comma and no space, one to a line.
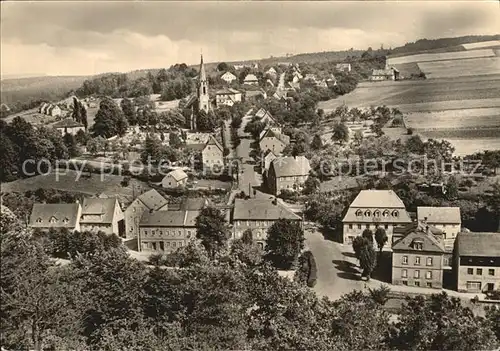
67,123
194,147
478,244
291,166
261,209
190,100
153,200
169,219
64,215
227,91
429,242
99,206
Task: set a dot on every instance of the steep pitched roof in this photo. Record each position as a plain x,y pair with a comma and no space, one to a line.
67,123
250,78
291,166
229,75
99,206
261,209
180,218
190,100
442,215
153,200
177,174
63,215
203,74
269,133
213,141
383,72
478,244
378,199
227,91
429,242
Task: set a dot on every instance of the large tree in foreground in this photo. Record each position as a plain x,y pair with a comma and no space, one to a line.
381,238
109,120
212,230
285,240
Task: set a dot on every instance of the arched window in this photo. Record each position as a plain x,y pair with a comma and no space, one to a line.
368,213
395,213
359,213
376,213
385,213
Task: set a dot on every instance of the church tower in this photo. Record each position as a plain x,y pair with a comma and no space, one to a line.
203,98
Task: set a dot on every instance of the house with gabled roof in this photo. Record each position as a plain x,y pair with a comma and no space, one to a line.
55,216
212,155
447,219
265,117
418,258
227,97
175,179
271,140
166,231
287,173
68,126
271,72
258,215
149,201
476,262
102,214
228,77
343,67
371,209
388,73
267,158
251,79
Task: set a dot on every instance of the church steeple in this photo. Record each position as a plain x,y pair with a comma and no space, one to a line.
203,98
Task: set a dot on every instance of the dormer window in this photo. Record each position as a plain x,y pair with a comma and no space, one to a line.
395,213
376,213
39,220
66,220
418,245
368,213
385,213
53,220
359,213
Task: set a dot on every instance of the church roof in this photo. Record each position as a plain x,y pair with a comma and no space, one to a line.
203,74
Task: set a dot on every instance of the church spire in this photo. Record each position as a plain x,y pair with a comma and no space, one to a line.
203,75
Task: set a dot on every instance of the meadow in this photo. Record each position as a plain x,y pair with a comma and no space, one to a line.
466,118
482,44
459,55
462,68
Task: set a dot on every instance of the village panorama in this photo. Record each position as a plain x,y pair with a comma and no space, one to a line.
250,176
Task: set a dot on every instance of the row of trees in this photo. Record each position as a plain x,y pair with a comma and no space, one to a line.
103,299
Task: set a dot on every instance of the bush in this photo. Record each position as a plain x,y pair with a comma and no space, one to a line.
409,131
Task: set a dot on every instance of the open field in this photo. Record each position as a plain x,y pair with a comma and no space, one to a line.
459,55
32,116
457,93
467,118
435,106
461,68
469,146
109,184
482,44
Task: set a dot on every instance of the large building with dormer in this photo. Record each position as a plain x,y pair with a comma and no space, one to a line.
371,209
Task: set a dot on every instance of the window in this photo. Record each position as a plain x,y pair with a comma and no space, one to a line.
368,213
405,282
405,259
174,244
395,213
428,275
145,232
428,284
376,213
479,271
416,274
470,270
350,226
161,232
39,220
404,273
474,286
359,213
417,261
359,226
154,245
418,245
417,283
53,220
386,226
367,226
385,213
491,271
429,261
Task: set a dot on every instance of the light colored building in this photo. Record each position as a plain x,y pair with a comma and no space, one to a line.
287,173
371,209
269,156
212,155
388,73
69,126
476,262
150,201
56,216
228,77
166,231
251,79
272,72
227,97
54,110
175,179
265,117
258,215
102,214
446,219
343,67
273,141
417,259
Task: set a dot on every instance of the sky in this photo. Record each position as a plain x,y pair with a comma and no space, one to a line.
89,37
